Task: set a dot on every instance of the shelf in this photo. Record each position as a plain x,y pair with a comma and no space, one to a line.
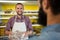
2,26
33,17
30,13
5,18
32,25
36,25
7,14
3,36
10,17
23,14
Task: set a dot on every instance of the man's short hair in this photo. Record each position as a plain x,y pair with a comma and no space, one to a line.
19,4
55,6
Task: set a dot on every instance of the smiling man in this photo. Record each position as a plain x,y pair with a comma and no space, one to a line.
19,21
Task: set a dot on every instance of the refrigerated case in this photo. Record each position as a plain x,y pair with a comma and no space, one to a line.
30,10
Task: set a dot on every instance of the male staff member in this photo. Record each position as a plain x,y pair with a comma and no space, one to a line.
52,31
19,20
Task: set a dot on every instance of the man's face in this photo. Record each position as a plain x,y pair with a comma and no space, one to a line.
19,9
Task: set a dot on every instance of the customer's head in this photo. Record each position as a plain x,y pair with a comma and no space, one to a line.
52,6
42,17
19,8
52,9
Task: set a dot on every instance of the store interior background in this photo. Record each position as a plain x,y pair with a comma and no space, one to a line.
7,10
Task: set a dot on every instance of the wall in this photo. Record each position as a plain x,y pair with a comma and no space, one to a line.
12,6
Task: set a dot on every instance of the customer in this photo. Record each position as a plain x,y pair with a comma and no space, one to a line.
52,31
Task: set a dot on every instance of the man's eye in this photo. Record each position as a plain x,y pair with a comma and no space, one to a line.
21,8
17,8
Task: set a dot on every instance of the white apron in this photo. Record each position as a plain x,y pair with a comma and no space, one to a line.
21,27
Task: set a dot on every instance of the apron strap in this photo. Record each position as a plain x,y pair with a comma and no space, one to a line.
15,18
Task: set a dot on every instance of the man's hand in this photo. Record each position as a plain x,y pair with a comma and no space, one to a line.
28,33
8,32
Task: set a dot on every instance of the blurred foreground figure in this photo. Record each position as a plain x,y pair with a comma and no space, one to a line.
52,31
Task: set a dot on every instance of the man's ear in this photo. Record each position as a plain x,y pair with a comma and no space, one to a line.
46,4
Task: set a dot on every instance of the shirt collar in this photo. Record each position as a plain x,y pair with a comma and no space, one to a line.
22,17
53,25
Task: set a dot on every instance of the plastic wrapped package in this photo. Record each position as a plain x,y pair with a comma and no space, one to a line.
18,36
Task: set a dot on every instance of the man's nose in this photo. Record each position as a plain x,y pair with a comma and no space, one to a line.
19,10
